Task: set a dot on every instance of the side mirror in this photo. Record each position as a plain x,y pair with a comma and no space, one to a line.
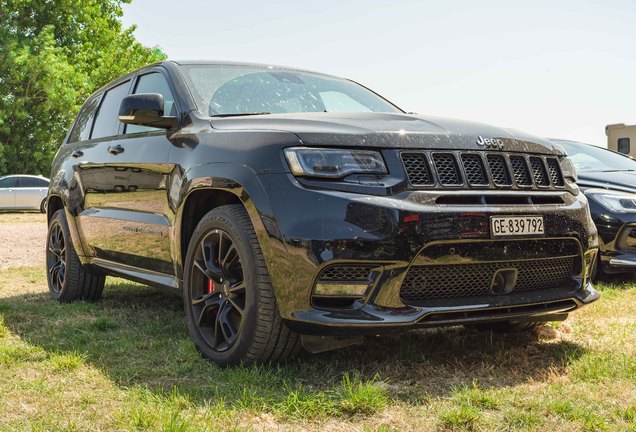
145,109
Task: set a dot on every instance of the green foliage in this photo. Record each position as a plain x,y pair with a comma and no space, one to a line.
54,53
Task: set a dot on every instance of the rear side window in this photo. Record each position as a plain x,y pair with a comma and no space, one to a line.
154,83
82,129
623,145
107,122
26,182
7,182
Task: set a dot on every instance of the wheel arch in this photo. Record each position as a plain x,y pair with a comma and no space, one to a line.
202,194
197,204
54,203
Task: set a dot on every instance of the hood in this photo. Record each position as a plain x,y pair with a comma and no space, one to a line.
618,180
387,130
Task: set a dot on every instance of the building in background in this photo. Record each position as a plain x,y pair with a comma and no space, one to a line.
620,138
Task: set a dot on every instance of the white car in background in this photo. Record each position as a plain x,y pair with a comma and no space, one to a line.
23,192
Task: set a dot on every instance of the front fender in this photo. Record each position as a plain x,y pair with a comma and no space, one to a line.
65,186
244,183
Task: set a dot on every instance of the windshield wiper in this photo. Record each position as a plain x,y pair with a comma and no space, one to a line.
240,114
618,170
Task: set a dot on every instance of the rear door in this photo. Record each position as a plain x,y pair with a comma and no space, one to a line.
30,192
7,193
126,218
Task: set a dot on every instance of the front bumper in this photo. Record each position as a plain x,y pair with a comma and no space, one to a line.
371,319
313,230
617,238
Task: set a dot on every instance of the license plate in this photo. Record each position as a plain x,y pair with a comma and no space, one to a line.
501,226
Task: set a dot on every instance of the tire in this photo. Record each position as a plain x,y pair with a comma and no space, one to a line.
43,206
229,302
507,326
68,280
598,273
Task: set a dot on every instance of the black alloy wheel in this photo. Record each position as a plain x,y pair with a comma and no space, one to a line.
218,290
56,257
230,306
68,279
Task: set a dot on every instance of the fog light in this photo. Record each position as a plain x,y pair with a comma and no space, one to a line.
346,280
341,289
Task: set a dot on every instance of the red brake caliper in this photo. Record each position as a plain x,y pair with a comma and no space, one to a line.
211,286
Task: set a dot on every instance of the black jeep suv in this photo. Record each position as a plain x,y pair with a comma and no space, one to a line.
292,207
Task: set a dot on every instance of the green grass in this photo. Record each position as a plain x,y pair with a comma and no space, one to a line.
22,217
127,363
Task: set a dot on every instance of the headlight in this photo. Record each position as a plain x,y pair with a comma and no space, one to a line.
614,201
333,163
567,168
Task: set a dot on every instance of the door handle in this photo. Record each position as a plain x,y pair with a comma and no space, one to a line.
115,149
77,153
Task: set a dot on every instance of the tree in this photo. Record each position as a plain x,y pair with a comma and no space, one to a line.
53,54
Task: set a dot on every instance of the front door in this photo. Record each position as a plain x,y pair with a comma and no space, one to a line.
126,218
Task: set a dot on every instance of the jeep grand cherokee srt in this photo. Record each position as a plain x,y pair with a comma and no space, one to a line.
291,207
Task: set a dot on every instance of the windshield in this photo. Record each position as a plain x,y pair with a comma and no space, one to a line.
232,90
591,158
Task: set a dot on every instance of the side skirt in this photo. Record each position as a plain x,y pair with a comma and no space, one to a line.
159,280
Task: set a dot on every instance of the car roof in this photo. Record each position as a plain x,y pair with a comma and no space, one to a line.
172,63
247,64
26,175
579,143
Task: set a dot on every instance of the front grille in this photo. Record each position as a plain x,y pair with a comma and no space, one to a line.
345,273
538,171
499,170
474,169
520,171
474,280
554,170
484,170
416,164
447,169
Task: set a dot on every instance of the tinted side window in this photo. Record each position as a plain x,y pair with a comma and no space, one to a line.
623,145
154,83
32,182
7,182
106,122
82,128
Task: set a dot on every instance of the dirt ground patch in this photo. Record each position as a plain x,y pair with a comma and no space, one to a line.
23,236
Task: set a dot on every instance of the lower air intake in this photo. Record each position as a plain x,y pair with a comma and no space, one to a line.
348,273
475,280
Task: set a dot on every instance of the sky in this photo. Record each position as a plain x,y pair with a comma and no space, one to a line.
561,69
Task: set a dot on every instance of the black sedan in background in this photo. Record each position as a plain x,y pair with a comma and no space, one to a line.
608,179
